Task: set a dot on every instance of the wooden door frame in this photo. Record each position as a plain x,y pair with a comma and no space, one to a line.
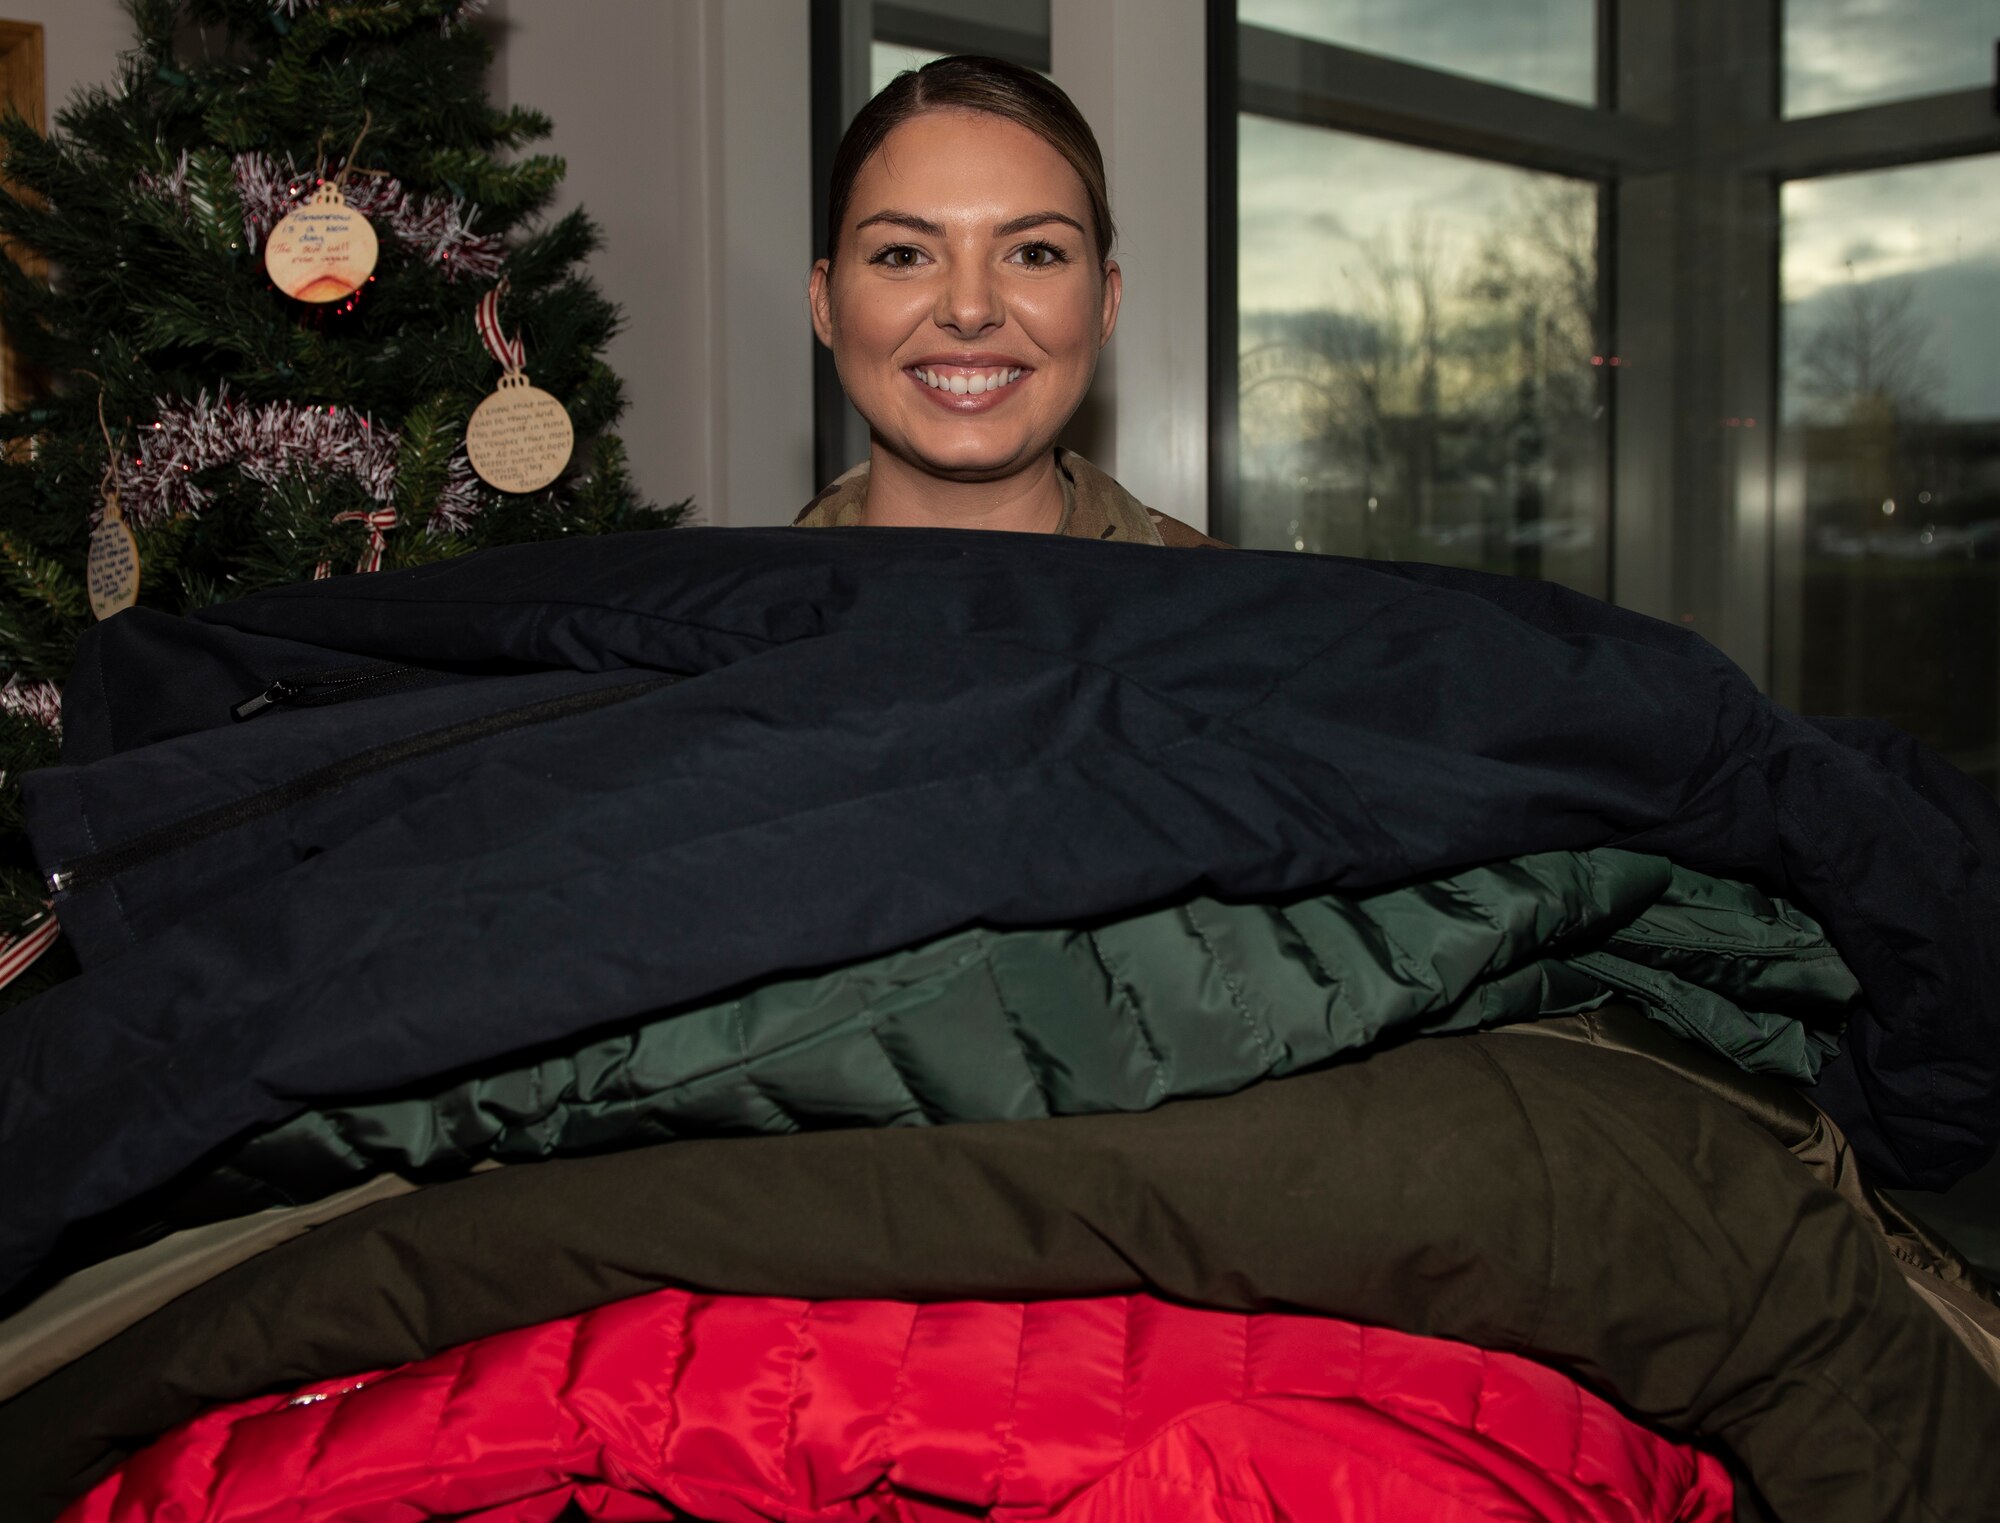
23,87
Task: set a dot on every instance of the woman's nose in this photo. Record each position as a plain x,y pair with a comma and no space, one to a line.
970,301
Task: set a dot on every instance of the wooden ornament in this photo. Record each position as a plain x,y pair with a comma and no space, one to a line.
520,438
112,571
322,251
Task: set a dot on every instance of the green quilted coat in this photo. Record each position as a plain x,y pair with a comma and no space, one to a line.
1199,998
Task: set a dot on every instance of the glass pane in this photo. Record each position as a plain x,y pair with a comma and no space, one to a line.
1891,398
1418,374
1547,46
887,59
1844,53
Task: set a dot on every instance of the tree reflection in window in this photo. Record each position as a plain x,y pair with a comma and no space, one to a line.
1891,392
1420,375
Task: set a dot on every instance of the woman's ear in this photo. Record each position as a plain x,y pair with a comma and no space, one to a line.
819,297
1114,292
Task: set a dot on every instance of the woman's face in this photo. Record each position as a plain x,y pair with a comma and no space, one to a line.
967,306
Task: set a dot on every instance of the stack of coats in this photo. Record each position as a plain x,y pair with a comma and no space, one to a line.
754,1025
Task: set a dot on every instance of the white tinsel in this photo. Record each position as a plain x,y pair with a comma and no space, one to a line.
460,501
269,442
436,228
39,700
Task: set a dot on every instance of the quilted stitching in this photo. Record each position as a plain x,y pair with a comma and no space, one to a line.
525,1414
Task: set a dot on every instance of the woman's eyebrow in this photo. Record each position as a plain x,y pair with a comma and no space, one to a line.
910,220
931,229
1035,219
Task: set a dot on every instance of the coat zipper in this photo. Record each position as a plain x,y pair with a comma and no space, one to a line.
100,866
336,686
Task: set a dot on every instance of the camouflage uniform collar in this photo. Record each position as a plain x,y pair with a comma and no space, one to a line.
1094,505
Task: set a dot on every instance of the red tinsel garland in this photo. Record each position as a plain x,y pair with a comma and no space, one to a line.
269,442
39,700
437,228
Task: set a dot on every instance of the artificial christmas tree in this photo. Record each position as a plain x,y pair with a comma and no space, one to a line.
341,150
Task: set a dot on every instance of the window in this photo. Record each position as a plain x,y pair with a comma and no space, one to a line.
1418,333
1840,54
1891,413
888,59
1547,46
1694,306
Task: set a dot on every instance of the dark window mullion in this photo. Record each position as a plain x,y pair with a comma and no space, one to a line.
830,112
1224,329
1885,136
1607,293
1607,55
909,26
1607,376
1323,85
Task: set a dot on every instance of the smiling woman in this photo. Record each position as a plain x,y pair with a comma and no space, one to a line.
966,292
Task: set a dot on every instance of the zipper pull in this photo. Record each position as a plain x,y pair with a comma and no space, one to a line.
276,693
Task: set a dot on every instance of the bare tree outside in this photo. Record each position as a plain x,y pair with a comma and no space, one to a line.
1539,266
1900,490
1446,405
1869,358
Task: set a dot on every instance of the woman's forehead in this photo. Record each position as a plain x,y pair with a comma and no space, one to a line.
966,166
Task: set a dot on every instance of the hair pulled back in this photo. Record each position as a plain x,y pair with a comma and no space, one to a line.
968,82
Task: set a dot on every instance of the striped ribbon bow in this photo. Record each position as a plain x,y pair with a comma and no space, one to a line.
378,520
18,952
510,352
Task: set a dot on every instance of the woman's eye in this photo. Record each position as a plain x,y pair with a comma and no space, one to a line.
897,256
1042,256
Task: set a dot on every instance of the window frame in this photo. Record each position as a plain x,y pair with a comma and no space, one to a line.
1704,525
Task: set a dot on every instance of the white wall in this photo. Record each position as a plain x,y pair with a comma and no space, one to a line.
637,190
81,41
758,155
686,128
1137,71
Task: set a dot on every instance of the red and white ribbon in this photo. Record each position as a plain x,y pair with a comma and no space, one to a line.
379,520
510,352
18,953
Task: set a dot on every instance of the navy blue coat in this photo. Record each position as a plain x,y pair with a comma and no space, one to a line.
628,773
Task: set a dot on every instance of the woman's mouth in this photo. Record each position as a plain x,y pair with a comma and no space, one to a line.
967,388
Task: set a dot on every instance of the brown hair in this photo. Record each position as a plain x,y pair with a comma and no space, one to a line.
967,82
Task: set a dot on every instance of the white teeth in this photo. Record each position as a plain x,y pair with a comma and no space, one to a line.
972,385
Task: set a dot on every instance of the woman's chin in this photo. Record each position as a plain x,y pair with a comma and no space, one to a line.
969,459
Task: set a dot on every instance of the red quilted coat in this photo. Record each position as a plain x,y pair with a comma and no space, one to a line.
737,1409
